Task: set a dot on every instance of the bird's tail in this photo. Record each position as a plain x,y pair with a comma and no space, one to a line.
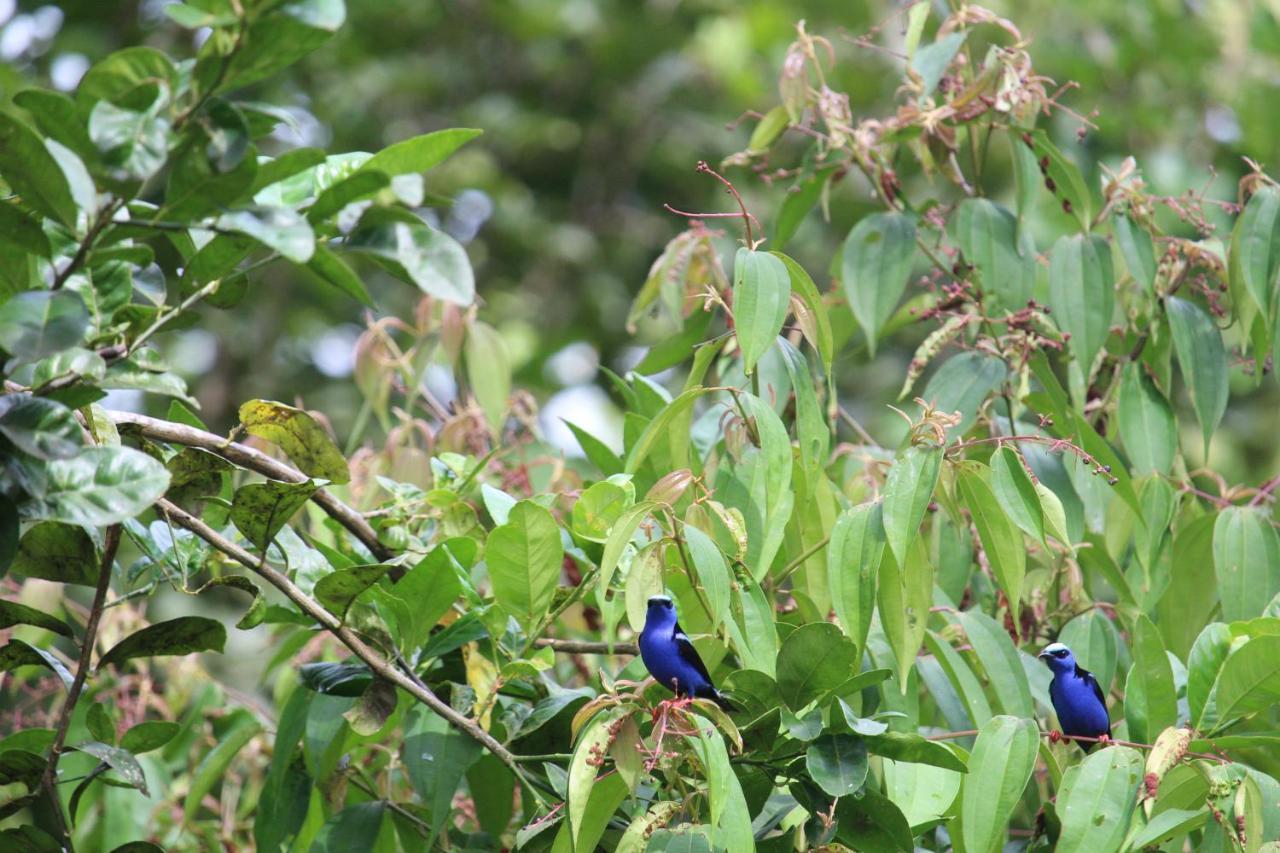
718,698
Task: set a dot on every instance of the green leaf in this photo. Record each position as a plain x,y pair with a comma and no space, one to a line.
280,37
182,636
421,255
912,748
376,705
338,195
1150,700
1003,255
100,486
193,18
421,152
599,453
1092,639
594,741
337,590
40,323
1082,294
803,287
1016,493
871,823
963,383
1204,663
32,171
1062,178
761,299
1246,558
13,613
134,145
1255,249
524,558
120,760
148,735
489,372
22,232
299,435
1001,539
903,595
272,171
714,576
598,509
332,269
336,679
1147,427
923,793
213,766
278,228
908,489
1203,360
814,659
961,677
1166,826
930,62
1135,246
1250,679
838,763
259,510
999,768
356,827
39,427
16,653
727,806
875,263
854,554
1097,798
59,552
123,71
1000,659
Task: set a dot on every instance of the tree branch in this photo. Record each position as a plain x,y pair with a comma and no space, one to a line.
375,661
49,782
254,460
583,647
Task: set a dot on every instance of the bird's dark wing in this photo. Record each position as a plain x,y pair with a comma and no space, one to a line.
1088,678
688,653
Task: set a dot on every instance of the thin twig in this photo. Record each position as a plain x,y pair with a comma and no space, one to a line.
254,460
586,647
800,560
111,542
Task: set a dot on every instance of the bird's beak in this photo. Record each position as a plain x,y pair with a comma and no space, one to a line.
1043,656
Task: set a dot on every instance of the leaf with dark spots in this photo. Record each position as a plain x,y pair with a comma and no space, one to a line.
299,435
120,760
181,636
257,608
12,613
336,679
337,590
17,653
373,710
195,474
259,510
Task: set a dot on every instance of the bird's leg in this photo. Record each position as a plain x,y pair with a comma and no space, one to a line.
1055,736
1104,740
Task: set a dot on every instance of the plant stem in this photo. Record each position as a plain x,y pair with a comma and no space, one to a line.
586,647
799,561
111,542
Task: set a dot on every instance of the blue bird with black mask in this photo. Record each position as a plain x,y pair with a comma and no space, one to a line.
1077,697
670,657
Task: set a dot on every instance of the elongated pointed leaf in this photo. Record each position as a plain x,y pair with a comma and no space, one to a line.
907,492
1001,539
1150,700
875,264
1246,557
1097,799
182,636
814,659
299,435
1203,361
1250,678
761,296
1147,426
1082,294
524,557
853,566
999,767
1016,493
1003,255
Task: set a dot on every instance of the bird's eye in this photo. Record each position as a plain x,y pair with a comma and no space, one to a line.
1060,653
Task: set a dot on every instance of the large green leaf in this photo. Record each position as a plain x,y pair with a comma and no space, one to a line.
1003,255
1203,360
419,153
99,486
32,171
761,298
1135,246
278,228
259,510
489,372
853,565
1096,800
875,263
1255,248
524,558
1150,700
436,756
54,551
241,729
999,768
814,659
907,492
963,383
337,590
1016,492
1246,557
838,763
872,823
430,259
299,435
13,613
1061,177
16,653
40,323
1250,679
714,576
181,636
729,816
1001,539
903,595
1147,426
40,427
360,826
1082,294
1204,663
999,657
332,269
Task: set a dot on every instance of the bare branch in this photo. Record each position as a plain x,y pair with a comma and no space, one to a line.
583,647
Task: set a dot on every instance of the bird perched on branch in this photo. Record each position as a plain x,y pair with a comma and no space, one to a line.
670,657
1077,697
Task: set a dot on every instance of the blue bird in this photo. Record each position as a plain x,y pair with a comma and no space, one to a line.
670,657
1077,697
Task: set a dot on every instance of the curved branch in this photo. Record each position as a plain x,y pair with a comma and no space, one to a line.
375,661
254,460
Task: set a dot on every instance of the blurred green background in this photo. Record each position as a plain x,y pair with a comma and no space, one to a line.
594,115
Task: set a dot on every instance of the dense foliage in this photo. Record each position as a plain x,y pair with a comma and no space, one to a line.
453,613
